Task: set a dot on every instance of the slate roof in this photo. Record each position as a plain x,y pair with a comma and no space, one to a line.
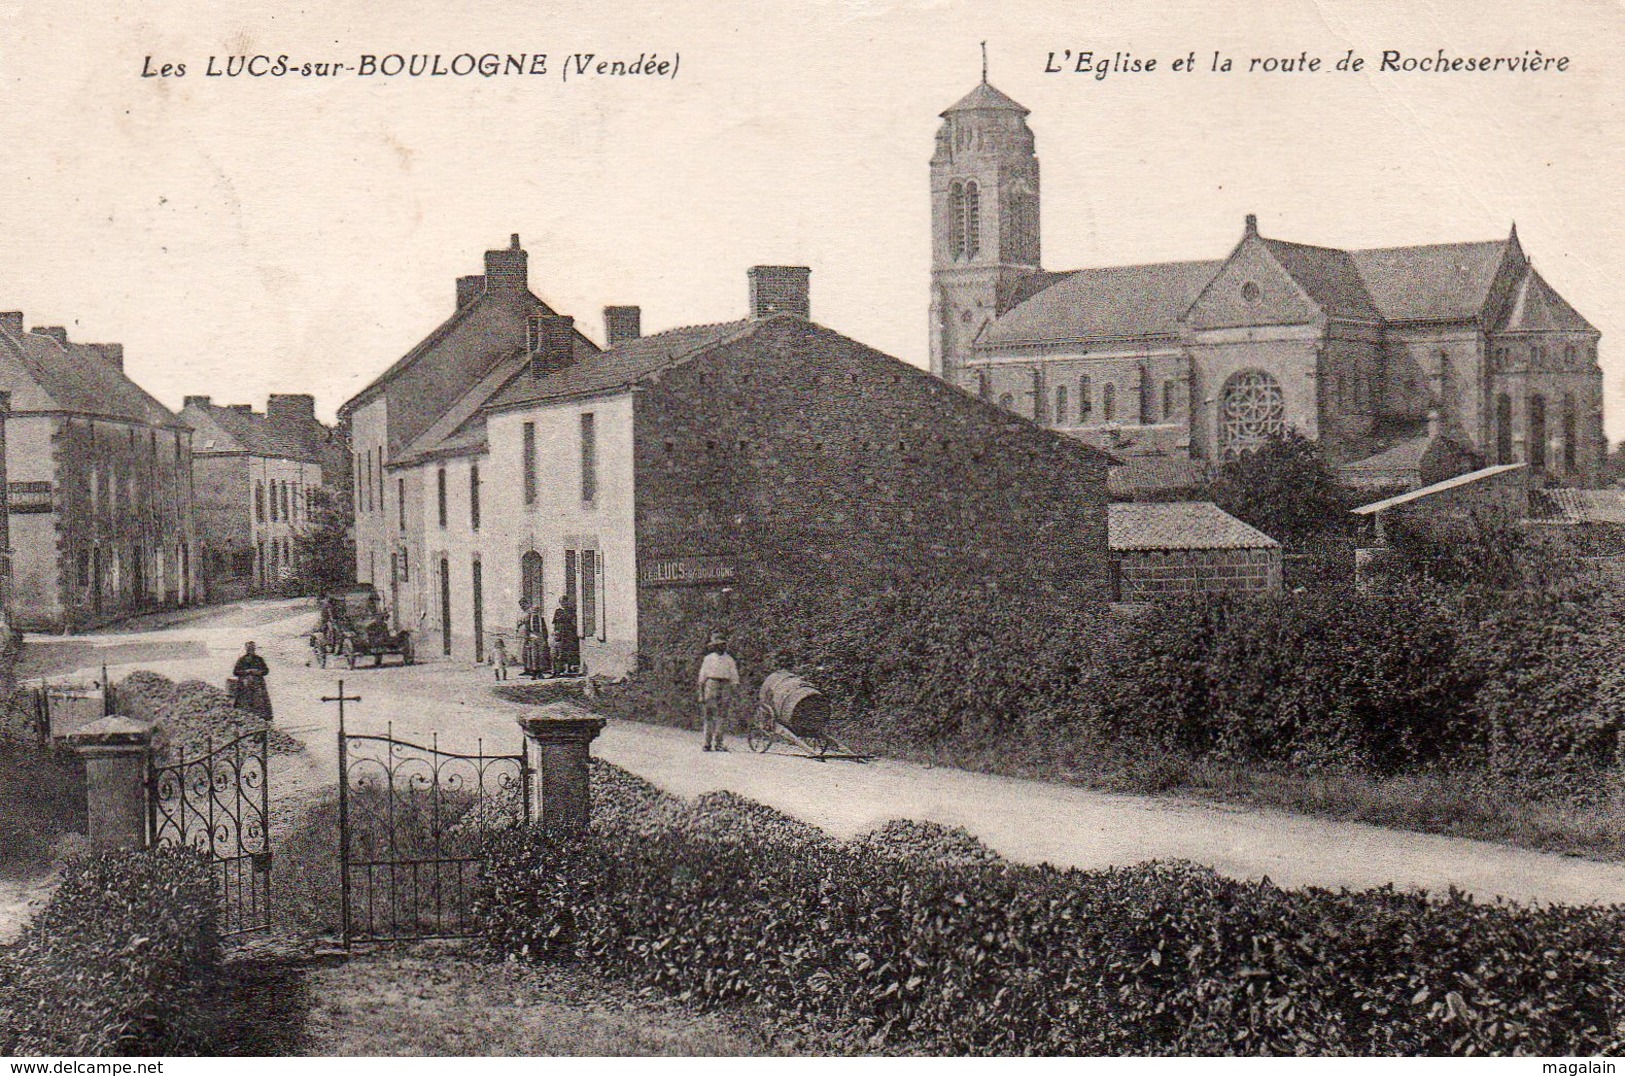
1119,301
1535,306
1329,276
1137,476
80,378
983,97
1578,506
1444,281
250,432
1180,525
461,429
621,365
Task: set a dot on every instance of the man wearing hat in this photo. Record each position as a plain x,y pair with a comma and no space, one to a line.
719,677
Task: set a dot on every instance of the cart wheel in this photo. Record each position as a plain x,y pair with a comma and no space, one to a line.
758,739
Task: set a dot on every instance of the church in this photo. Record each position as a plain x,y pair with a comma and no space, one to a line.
1396,359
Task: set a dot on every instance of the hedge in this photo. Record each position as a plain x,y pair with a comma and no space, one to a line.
110,963
1524,687
959,956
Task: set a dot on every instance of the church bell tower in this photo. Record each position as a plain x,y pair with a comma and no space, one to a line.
984,221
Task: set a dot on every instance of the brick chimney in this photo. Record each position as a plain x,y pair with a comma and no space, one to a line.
292,411
55,332
779,289
551,340
113,353
11,321
622,323
1250,226
198,401
469,288
506,270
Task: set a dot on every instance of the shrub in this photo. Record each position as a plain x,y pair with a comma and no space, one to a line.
1161,958
109,965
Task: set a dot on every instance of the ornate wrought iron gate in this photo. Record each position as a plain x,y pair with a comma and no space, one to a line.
219,803
413,822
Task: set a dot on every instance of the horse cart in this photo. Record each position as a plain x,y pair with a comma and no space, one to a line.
792,712
353,626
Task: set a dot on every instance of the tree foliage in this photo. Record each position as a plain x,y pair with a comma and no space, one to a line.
324,548
1286,489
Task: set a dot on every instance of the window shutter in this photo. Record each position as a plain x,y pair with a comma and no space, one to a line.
589,593
603,604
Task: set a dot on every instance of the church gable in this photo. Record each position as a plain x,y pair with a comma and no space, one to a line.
1252,288
1536,307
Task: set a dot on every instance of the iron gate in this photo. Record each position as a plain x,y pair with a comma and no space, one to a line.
413,822
219,803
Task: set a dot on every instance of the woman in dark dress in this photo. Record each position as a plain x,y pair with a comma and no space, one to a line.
250,673
536,657
566,644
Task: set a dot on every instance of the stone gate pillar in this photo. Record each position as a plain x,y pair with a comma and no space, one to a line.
115,750
562,743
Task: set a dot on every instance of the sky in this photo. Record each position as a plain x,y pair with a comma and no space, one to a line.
251,235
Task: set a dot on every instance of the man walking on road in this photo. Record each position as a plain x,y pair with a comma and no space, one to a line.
719,677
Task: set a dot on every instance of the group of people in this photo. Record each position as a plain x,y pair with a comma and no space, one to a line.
537,658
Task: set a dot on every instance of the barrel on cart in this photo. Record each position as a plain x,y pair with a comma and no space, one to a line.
791,711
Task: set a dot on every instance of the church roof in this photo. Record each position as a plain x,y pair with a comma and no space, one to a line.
1329,276
1180,525
985,97
1535,306
1119,301
1439,282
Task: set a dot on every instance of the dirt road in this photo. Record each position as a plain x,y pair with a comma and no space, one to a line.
1028,821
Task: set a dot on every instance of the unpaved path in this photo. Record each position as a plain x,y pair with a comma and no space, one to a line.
1028,821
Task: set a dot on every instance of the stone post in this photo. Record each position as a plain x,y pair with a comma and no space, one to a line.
115,750
562,750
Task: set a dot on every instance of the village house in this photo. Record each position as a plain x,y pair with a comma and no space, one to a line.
670,479
252,474
99,477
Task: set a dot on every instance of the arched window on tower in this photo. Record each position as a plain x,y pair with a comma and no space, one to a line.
1503,428
983,389
1060,405
1086,401
1108,402
1570,450
1251,410
973,220
1537,432
956,220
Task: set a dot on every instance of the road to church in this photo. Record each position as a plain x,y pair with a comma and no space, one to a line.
1029,821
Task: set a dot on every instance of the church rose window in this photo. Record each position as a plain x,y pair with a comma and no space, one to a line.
1251,411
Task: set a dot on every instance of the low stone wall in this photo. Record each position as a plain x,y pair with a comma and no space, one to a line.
1150,575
